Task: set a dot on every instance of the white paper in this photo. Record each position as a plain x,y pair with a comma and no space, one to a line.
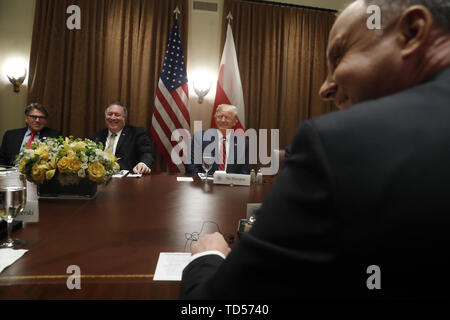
121,174
170,266
9,256
134,175
187,179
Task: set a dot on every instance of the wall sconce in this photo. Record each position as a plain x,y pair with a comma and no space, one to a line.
15,70
17,79
202,85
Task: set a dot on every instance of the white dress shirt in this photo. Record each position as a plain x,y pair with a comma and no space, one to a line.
27,137
205,253
113,150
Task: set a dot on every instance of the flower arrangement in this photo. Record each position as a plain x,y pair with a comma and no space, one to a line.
68,160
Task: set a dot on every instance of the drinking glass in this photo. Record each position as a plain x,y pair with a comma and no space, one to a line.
13,197
207,164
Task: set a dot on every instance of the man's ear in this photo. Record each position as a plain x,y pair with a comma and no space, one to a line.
414,26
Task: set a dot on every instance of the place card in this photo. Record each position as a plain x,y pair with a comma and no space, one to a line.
221,177
31,211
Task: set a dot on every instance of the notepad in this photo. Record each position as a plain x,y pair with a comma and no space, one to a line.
185,179
121,174
9,256
134,175
170,266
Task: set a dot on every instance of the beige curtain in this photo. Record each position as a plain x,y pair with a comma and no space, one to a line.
282,60
116,55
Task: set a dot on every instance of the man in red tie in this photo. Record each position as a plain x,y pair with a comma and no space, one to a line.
230,150
14,141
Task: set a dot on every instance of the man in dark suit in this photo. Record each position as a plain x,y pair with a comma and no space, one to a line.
235,159
14,141
360,209
128,143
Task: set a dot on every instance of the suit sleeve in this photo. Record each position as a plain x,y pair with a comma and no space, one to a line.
245,167
289,250
144,147
195,166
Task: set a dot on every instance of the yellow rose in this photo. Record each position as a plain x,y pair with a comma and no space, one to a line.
50,174
75,165
43,165
38,173
96,171
22,166
63,164
45,155
116,166
52,163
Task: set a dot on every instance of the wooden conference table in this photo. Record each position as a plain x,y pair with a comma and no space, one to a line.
116,238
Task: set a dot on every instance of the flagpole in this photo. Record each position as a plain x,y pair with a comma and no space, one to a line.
177,12
229,17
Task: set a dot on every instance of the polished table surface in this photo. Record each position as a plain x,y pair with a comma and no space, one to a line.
116,238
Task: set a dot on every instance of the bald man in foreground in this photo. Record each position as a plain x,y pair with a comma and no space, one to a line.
360,209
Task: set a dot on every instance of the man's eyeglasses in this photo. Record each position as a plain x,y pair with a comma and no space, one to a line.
37,117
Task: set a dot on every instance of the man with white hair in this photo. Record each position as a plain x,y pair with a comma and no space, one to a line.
360,209
229,149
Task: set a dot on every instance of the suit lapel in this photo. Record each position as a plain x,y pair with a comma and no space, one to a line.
17,141
102,138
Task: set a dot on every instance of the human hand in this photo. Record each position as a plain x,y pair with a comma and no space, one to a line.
141,168
212,241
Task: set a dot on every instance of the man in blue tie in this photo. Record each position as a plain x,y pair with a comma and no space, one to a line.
14,141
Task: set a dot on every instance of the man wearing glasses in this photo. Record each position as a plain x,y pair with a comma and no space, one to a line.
16,140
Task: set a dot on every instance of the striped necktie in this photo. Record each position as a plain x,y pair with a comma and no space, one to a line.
223,155
112,139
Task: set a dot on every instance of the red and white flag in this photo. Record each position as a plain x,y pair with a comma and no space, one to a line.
229,86
171,110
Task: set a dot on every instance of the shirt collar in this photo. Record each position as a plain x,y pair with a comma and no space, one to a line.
221,135
117,133
28,133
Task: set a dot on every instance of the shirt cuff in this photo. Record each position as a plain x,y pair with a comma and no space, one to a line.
205,253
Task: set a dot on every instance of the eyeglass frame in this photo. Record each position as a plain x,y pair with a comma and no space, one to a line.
36,117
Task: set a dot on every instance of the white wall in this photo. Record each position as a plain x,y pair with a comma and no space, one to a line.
16,27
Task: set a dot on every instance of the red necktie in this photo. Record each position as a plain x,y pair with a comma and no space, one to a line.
223,155
30,141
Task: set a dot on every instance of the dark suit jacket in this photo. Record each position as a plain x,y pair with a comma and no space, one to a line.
134,146
366,186
12,140
237,158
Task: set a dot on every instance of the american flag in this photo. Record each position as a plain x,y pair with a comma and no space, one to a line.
171,110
